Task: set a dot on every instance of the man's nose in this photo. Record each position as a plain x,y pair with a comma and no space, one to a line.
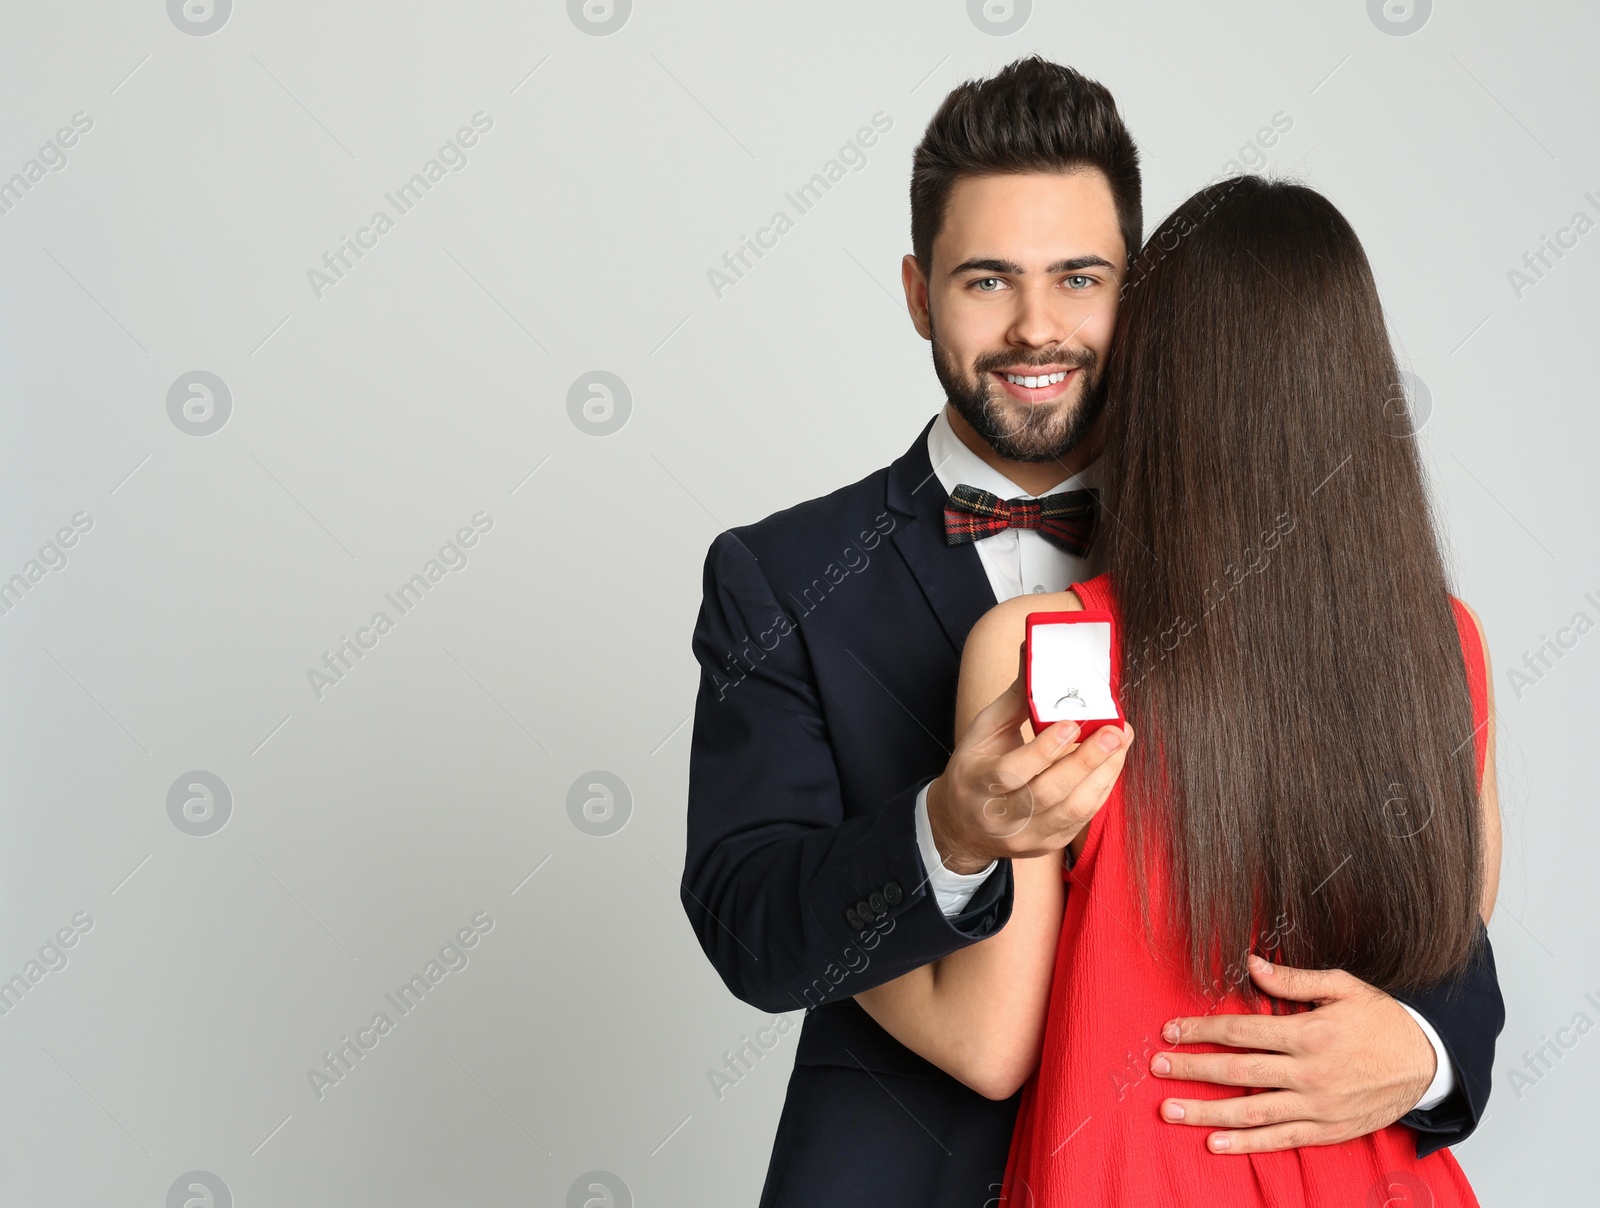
1039,321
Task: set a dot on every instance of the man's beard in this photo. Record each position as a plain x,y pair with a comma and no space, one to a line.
1021,431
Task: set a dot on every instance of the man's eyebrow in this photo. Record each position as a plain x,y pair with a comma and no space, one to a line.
1077,262
991,266
1012,267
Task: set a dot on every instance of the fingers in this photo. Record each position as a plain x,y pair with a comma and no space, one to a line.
1302,985
1057,802
1074,788
1022,820
1242,1111
1023,763
1294,1135
1006,811
1274,1033
1229,1069
1004,716
996,790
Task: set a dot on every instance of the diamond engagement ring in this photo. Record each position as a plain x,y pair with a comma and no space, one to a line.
1073,695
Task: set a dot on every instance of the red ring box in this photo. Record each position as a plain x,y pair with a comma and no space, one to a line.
1063,651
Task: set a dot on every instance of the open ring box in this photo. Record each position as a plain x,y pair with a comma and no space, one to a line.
1067,651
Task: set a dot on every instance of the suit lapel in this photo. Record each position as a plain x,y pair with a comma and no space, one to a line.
952,577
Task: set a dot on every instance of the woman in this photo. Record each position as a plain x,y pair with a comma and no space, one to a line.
1314,778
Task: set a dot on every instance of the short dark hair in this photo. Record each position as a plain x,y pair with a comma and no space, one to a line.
1034,116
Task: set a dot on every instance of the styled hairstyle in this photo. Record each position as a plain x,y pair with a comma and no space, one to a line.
1290,656
1034,116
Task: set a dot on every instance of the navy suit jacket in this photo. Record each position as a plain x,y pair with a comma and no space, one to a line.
829,641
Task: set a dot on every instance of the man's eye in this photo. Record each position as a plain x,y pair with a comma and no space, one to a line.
988,284
1079,281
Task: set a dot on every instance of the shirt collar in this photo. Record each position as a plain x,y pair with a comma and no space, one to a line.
954,463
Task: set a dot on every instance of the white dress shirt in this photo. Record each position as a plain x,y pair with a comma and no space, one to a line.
1019,561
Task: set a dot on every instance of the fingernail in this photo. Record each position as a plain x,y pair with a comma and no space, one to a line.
1069,733
1172,1111
1221,1143
1260,964
1171,1033
1110,739
1160,1065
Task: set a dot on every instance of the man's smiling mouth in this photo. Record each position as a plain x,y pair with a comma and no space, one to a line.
1038,386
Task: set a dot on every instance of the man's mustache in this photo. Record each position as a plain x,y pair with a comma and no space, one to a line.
1077,358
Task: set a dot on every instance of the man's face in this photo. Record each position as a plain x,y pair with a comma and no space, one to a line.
1025,278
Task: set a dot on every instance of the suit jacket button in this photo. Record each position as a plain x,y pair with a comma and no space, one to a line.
878,902
866,911
854,919
891,892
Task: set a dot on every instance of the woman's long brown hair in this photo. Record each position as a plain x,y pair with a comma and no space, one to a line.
1290,658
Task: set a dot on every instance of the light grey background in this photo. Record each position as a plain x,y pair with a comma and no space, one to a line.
431,383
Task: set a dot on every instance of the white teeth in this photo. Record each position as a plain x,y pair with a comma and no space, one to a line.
1051,379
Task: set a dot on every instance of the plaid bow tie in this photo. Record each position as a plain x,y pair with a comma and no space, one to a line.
1067,520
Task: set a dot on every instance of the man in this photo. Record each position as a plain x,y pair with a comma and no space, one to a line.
837,831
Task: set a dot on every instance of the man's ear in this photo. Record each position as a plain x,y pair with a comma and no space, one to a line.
916,287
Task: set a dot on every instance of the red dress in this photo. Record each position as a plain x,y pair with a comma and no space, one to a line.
1089,1133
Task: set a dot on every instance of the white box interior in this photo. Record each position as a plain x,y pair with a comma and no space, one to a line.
1067,656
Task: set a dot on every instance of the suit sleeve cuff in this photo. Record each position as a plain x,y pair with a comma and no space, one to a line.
952,890
1444,1077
